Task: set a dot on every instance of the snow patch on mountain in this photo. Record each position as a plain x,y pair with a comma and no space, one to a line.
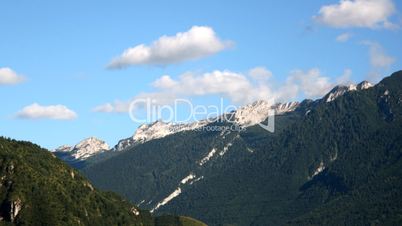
196,180
190,179
319,169
225,149
140,203
334,157
187,178
173,195
207,157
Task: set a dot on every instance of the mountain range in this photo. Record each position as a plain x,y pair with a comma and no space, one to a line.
331,161
248,115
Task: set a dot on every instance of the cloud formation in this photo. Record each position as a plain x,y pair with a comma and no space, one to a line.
239,88
344,37
311,83
234,86
378,57
260,73
9,77
55,112
357,13
346,78
198,42
380,61
116,106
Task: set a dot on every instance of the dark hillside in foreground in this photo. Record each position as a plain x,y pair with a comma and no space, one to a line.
36,188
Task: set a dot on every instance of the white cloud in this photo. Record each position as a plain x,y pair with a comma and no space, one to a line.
260,73
380,61
108,107
344,37
116,106
234,86
119,106
378,57
311,83
345,79
198,42
9,77
237,87
56,112
374,76
165,82
357,13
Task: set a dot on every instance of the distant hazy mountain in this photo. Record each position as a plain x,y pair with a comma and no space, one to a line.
332,161
86,151
38,189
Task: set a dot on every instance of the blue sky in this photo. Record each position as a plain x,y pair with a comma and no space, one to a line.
56,55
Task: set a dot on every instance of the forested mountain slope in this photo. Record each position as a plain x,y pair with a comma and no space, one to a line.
331,162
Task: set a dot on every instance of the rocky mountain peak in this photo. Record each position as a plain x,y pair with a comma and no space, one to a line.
89,147
155,130
258,111
63,148
342,89
85,148
364,85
